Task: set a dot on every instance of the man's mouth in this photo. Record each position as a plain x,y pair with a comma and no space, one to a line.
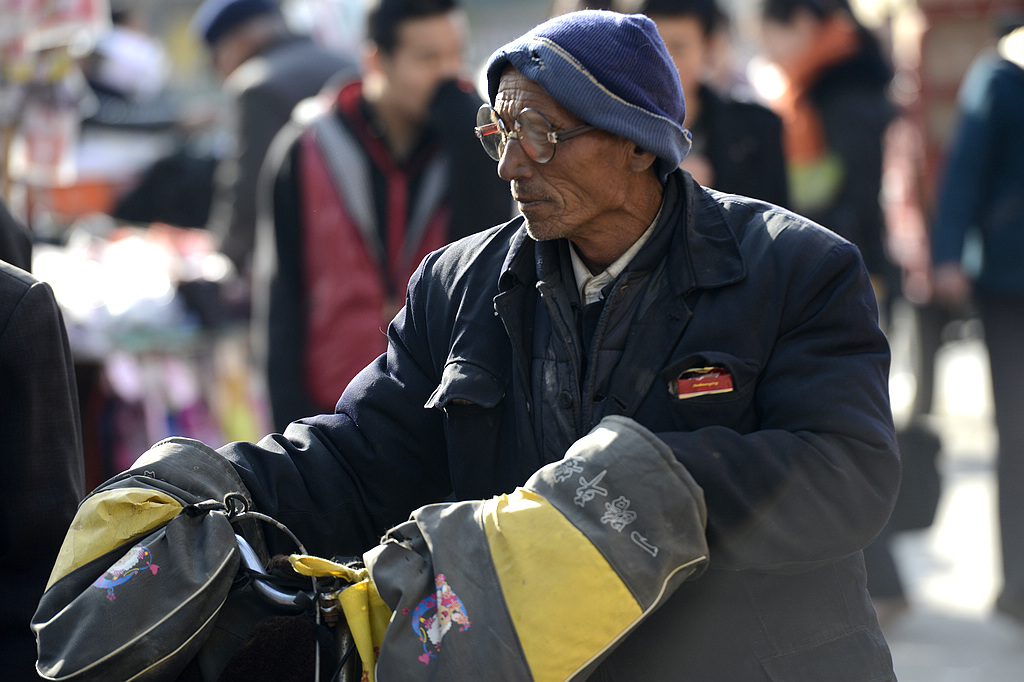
526,199
523,197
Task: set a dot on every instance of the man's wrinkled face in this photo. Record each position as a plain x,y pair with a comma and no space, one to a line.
582,185
428,52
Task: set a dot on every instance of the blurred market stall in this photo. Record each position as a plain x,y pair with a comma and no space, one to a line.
98,158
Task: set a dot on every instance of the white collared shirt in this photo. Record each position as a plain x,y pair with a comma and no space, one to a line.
590,285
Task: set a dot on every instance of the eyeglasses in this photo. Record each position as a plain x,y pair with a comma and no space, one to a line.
531,128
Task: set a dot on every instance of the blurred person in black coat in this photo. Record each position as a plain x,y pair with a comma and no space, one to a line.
267,70
836,110
40,445
737,142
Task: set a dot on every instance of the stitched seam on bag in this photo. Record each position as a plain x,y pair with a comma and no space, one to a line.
163,620
184,644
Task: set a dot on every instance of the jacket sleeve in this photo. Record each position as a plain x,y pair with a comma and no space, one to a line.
259,114
40,429
340,480
814,477
966,181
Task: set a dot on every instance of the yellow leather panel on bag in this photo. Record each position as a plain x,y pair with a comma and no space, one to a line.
109,519
563,618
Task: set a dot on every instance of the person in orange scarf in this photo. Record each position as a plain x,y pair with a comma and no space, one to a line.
835,110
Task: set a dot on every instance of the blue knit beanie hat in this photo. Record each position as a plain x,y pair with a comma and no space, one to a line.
611,70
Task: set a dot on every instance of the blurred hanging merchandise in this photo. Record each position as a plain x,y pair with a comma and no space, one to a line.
159,337
158,349
40,91
42,149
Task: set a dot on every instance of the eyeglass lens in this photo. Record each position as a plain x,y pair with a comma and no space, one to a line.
531,128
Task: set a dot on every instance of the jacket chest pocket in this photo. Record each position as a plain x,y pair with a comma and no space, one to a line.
473,400
711,388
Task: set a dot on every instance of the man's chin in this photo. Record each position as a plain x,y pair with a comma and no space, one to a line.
542,230
538,234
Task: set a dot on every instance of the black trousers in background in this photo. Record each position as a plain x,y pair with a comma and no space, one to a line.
1002,320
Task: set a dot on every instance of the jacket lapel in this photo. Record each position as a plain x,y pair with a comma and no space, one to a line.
514,306
703,254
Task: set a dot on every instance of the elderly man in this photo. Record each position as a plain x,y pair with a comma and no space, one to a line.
726,351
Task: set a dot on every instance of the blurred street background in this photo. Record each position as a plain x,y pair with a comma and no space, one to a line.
950,633
161,350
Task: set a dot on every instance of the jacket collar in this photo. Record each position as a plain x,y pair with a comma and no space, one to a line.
709,256
705,253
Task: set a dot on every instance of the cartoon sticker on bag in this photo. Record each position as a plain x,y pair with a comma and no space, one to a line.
137,560
434,616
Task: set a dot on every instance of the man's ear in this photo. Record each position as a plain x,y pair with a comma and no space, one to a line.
641,160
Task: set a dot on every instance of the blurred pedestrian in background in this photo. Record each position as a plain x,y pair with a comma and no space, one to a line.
135,140
379,172
981,206
835,110
737,143
41,446
267,69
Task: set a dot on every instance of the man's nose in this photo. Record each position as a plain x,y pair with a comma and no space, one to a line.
514,163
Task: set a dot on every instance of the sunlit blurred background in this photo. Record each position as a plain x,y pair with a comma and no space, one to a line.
161,346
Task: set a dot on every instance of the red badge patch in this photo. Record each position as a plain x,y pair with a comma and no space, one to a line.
702,381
